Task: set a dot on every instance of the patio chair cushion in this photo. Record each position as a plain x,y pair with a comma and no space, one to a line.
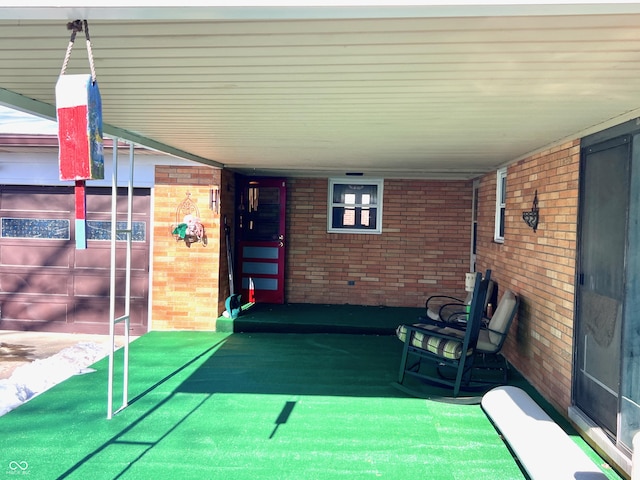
484,341
443,347
502,317
433,315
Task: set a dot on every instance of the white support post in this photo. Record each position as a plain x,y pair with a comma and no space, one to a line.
127,312
112,282
112,306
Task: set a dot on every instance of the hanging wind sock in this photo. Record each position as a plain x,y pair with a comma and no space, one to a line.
79,111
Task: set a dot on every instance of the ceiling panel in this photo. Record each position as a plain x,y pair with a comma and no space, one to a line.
434,96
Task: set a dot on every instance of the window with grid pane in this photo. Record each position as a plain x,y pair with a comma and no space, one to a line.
355,206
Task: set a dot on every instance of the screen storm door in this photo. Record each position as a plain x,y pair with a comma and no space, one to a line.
601,280
261,222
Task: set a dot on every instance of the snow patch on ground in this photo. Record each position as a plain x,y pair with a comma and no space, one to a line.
36,377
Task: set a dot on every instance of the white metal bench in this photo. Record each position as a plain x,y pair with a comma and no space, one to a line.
544,450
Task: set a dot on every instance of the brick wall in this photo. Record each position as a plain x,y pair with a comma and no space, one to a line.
185,281
424,248
539,267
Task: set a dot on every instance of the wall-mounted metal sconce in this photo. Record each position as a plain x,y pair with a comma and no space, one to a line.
188,226
214,198
531,217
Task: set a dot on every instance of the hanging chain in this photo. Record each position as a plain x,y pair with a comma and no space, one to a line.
75,27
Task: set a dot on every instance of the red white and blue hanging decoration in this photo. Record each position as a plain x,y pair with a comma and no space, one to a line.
79,112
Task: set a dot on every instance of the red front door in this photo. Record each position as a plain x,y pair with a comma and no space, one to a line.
262,239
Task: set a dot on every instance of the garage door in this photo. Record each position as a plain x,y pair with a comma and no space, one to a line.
48,285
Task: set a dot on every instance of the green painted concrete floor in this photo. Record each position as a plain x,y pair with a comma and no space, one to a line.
253,406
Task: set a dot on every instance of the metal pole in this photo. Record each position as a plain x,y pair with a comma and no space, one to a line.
112,284
125,393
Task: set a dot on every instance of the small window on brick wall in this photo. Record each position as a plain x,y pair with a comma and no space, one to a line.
501,204
355,206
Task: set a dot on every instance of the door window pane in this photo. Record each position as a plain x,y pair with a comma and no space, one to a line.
261,221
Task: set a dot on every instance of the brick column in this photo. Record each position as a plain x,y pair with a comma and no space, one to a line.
185,283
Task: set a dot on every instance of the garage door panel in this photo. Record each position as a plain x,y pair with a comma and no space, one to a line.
32,283
96,311
46,284
99,259
35,311
90,315
26,254
99,201
44,199
92,286
87,315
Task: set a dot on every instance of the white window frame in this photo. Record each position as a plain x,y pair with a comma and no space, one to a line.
377,182
501,205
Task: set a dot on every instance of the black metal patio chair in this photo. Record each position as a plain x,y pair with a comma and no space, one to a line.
441,355
447,308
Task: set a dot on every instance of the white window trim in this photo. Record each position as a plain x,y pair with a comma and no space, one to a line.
378,182
501,174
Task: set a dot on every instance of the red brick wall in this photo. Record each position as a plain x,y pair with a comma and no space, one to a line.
424,248
185,281
539,267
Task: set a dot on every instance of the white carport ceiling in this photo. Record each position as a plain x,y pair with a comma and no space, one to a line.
428,89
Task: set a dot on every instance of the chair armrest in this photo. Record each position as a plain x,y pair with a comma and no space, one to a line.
497,332
428,321
442,298
454,312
